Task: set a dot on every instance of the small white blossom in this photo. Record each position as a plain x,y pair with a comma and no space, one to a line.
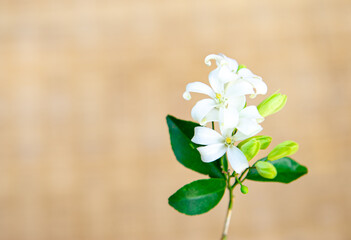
226,67
217,145
221,105
241,79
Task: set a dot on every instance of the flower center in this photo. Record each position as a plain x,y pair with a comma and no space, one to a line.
221,100
228,141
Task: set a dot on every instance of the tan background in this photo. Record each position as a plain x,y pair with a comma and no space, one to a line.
84,90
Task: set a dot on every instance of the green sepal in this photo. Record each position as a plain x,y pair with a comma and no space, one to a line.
283,149
264,141
250,148
288,170
198,197
240,67
181,132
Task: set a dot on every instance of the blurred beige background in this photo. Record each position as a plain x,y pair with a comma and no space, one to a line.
84,90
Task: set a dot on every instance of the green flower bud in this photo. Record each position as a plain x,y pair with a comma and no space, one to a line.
264,141
266,169
272,104
282,150
250,148
244,189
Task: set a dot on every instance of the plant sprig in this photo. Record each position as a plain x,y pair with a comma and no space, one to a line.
225,157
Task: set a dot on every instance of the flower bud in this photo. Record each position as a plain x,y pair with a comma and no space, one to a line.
266,169
264,141
250,148
283,149
244,189
272,104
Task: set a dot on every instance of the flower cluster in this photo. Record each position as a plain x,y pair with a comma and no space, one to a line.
229,85
234,142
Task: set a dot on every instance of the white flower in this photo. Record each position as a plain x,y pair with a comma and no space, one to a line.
247,124
240,78
226,67
217,145
221,105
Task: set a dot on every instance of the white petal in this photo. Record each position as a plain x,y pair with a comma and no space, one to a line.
249,127
237,102
215,81
239,136
228,120
227,132
226,74
245,73
248,121
254,80
250,112
212,152
232,64
237,159
222,60
202,108
226,67
198,87
259,85
216,57
212,116
206,136
239,88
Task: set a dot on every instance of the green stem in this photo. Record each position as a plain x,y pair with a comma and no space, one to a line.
238,180
229,211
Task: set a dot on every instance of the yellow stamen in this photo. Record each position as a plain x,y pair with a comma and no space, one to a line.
228,140
218,96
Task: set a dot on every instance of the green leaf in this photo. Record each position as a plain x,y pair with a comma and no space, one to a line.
198,197
288,170
181,133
